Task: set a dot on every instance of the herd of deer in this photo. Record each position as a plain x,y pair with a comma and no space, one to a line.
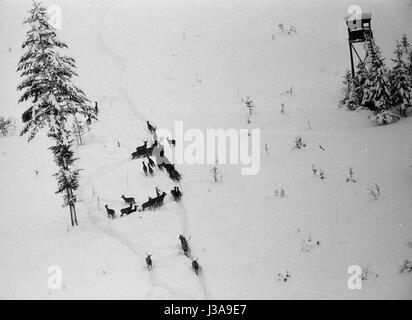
185,248
146,152
156,148
151,203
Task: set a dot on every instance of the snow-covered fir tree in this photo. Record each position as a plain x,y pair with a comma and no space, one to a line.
400,80
376,89
350,98
53,98
353,87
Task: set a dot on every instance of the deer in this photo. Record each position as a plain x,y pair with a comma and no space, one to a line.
151,162
128,210
174,175
150,170
184,244
148,204
167,166
144,168
143,147
149,261
129,201
110,212
159,199
195,266
150,127
172,142
176,193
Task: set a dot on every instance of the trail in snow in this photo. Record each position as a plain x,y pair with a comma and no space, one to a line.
182,215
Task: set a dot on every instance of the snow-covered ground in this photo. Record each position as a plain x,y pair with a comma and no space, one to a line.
165,61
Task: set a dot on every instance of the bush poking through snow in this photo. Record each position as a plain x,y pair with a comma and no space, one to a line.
321,175
285,277
384,118
309,245
406,267
375,191
291,30
299,144
282,108
350,179
367,274
280,193
6,125
249,105
314,170
216,173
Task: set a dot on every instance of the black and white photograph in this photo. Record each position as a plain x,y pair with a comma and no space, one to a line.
210,150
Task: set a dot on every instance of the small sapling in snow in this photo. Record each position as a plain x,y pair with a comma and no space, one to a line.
285,277
216,172
406,267
314,170
350,178
308,245
375,191
321,175
280,193
299,144
249,105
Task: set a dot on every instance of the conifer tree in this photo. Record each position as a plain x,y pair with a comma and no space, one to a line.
376,89
400,82
53,98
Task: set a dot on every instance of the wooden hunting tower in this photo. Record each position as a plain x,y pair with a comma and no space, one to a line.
359,30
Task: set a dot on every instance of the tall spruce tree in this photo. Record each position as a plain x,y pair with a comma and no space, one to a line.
376,89
400,80
53,98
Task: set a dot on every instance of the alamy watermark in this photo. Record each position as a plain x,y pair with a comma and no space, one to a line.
355,278
231,146
54,282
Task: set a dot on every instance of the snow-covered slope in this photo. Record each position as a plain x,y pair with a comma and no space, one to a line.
192,61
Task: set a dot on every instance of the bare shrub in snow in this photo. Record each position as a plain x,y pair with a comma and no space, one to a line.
280,193
322,174
375,191
299,144
6,125
216,172
350,178
308,245
282,108
384,117
314,170
249,105
290,30
284,278
367,274
406,267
